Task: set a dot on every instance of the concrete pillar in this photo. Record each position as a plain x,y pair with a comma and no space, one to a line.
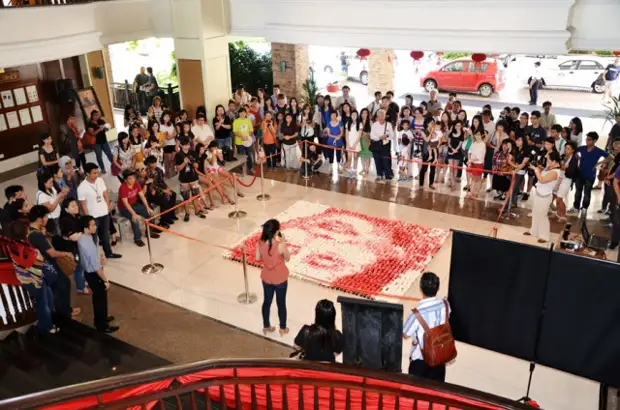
200,29
380,71
296,69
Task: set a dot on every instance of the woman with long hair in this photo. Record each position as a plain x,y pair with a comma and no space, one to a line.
365,154
51,198
271,249
576,131
321,341
169,142
48,155
455,151
268,107
124,156
543,195
501,164
334,132
131,117
475,163
293,108
262,97
70,231
136,139
222,127
519,163
475,126
353,138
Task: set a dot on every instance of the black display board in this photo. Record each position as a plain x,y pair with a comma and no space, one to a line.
496,292
548,307
580,332
372,334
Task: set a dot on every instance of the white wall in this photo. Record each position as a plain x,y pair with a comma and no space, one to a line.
31,35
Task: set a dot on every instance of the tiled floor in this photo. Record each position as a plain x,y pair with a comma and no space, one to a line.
198,278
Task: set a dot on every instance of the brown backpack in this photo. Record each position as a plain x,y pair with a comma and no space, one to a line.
439,347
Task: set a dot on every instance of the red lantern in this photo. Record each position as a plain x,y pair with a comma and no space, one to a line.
616,53
363,52
416,55
478,57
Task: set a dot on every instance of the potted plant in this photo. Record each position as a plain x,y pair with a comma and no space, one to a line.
610,111
333,87
309,91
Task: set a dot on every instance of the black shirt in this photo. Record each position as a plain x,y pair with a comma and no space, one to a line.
572,169
614,134
312,156
188,173
49,157
455,140
69,225
538,135
141,79
101,138
522,132
39,241
314,349
222,132
288,130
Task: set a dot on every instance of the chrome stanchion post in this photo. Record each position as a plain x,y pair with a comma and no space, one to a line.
262,196
236,213
151,268
509,214
305,164
246,297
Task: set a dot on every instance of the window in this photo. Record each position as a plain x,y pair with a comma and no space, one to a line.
568,65
477,67
458,66
590,65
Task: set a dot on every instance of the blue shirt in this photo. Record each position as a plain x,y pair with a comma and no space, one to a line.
588,160
89,254
335,130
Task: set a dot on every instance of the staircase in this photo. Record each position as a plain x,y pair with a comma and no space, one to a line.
32,362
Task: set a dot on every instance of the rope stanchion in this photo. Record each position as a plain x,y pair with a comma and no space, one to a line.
305,164
151,268
236,213
262,196
507,204
246,298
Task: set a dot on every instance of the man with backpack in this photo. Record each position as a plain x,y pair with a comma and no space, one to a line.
430,333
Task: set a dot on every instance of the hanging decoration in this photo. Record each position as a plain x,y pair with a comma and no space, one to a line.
416,55
616,53
478,57
363,52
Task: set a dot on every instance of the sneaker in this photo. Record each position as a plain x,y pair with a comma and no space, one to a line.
154,235
186,218
114,256
572,211
379,179
200,215
601,211
583,212
139,243
402,179
525,197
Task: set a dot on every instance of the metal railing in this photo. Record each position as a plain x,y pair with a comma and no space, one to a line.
17,308
123,94
263,384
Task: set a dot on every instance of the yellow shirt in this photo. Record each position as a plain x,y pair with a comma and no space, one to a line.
242,127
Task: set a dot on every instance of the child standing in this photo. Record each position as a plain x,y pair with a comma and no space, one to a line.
405,139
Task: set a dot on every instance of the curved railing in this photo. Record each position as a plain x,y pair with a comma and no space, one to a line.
262,384
17,308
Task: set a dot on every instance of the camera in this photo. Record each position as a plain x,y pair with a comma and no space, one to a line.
536,158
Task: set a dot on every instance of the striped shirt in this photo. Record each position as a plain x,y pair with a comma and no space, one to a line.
433,312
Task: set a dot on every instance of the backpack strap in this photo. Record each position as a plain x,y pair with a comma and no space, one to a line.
423,323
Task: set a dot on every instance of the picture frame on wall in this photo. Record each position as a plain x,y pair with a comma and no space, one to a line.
24,117
32,93
36,113
7,98
20,96
88,102
3,126
12,119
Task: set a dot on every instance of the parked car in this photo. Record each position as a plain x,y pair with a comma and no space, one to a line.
579,72
464,74
329,63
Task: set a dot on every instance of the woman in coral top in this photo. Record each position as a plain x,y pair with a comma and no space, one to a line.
272,250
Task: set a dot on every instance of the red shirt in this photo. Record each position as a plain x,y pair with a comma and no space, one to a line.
130,193
257,118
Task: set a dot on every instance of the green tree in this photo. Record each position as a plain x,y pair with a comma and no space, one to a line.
250,68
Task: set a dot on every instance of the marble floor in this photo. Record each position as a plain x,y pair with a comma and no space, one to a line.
198,278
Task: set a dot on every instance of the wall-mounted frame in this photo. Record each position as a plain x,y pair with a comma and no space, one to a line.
88,102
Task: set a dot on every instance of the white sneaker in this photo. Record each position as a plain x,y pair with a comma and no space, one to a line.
572,211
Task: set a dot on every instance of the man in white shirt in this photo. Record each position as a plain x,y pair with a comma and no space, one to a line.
434,313
94,201
346,97
534,83
375,106
556,133
202,131
381,136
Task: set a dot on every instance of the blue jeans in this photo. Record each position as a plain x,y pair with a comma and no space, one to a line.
135,226
280,292
224,142
80,281
108,153
247,151
44,300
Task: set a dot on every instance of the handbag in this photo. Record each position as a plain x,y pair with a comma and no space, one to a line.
66,264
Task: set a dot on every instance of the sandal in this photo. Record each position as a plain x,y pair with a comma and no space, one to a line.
54,330
76,311
85,292
240,195
267,330
284,331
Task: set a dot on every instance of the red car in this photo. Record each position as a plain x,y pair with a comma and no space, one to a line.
464,74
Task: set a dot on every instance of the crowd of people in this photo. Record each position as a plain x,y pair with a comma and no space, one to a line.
514,154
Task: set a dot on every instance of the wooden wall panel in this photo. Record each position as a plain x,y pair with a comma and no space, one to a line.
191,85
95,59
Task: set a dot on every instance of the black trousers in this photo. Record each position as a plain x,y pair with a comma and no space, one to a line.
424,168
164,202
103,231
419,368
615,216
100,299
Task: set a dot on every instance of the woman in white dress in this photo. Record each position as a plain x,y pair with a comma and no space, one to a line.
547,180
354,146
